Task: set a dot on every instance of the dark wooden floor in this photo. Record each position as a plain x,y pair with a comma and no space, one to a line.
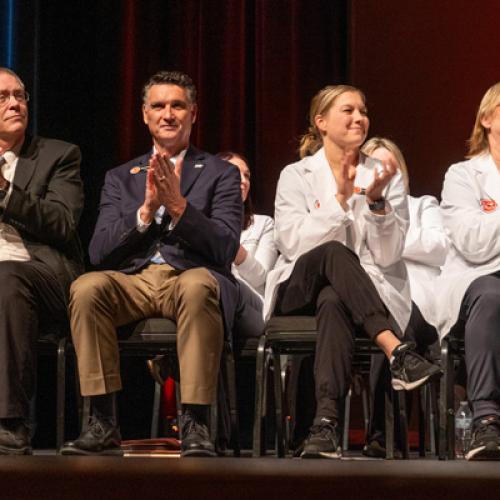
88,478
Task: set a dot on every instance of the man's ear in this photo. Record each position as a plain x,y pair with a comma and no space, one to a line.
144,114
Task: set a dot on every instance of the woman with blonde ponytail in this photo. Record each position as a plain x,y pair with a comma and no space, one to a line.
340,225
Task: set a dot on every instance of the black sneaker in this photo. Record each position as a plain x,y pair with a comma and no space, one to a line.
15,437
195,438
409,370
323,441
99,438
485,444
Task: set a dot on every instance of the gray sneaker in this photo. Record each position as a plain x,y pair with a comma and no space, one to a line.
323,441
485,444
409,370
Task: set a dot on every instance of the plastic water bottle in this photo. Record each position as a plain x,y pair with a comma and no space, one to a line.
463,429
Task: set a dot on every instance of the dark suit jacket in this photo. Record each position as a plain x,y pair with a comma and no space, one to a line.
46,203
207,234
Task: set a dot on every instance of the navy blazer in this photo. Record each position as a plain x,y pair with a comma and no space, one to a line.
207,234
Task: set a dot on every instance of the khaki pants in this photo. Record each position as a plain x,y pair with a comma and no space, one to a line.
102,301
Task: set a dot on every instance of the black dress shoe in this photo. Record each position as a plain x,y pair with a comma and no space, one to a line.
15,437
195,438
99,438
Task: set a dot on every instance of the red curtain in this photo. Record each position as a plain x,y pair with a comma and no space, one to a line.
256,66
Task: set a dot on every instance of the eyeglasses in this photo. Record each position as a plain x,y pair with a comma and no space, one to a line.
20,96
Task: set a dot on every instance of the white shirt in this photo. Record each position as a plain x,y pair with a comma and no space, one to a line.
11,244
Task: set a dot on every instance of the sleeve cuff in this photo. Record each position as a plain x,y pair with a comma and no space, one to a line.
141,226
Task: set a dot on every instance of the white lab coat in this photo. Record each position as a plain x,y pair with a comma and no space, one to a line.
258,240
426,248
307,214
473,231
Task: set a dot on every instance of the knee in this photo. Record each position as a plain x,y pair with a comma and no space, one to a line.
15,285
328,298
87,289
195,289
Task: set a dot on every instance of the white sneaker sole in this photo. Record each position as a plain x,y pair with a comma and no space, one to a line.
322,454
481,453
401,385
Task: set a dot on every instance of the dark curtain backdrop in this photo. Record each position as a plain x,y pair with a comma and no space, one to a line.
256,65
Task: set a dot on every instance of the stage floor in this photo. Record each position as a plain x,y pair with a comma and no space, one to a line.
46,476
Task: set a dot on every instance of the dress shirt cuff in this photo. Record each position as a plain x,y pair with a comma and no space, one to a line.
141,226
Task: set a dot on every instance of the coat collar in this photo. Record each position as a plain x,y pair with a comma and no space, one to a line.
27,162
487,175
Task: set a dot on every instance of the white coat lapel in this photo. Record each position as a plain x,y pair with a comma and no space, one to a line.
488,179
319,177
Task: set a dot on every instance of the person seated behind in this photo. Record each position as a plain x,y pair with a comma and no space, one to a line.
41,200
255,258
469,285
340,224
167,232
425,250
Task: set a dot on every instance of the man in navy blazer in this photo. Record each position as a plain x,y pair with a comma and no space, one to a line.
168,229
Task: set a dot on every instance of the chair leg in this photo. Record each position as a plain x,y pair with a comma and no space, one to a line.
61,393
155,417
347,418
433,418
446,445
403,424
422,419
260,376
389,425
178,405
278,405
233,403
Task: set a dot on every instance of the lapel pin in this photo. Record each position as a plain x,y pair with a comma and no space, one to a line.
139,168
199,165
317,204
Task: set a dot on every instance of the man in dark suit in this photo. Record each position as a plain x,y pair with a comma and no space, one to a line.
167,232
41,199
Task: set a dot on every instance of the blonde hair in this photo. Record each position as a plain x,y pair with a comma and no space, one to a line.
381,142
312,140
478,142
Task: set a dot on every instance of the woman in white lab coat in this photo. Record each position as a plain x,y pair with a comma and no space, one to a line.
426,247
255,258
340,225
469,286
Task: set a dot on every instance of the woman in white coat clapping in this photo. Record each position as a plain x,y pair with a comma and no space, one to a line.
469,286
340,225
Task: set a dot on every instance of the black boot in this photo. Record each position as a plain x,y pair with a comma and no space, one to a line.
101,434
15,437
196,440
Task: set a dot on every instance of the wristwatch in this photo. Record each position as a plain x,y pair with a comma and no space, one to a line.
377,205
4,188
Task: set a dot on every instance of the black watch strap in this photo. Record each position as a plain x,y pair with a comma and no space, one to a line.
377,205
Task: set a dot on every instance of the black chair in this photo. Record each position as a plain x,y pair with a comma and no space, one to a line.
452,349
157,336
49,344
296,335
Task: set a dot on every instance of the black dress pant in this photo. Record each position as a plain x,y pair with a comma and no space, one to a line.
479,323
330,283
29,295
